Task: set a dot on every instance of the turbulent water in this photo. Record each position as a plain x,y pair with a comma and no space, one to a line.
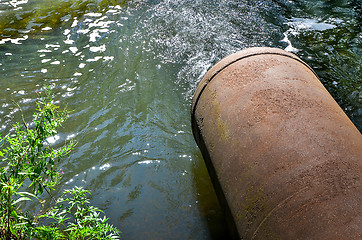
127,72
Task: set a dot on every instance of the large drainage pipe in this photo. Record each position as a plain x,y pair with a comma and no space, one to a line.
284,158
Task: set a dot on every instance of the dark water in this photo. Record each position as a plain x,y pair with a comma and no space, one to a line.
128,74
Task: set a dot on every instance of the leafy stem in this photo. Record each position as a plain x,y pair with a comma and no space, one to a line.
28,168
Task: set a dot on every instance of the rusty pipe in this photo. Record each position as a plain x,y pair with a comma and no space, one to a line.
284,158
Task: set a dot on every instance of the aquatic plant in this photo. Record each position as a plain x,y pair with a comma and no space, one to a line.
28,169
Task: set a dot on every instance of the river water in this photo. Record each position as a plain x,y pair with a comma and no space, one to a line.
127,71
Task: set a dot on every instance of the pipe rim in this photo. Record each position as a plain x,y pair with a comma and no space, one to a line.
233,58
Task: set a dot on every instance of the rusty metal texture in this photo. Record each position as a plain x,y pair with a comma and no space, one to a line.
284,158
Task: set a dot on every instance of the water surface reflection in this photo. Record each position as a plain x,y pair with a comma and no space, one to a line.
127,73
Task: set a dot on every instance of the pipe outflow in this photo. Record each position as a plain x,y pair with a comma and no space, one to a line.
284,158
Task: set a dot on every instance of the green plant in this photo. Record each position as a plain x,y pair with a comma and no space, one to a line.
74,218
28,168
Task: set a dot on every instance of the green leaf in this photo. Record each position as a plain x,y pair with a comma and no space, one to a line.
29,162
21,199
27,193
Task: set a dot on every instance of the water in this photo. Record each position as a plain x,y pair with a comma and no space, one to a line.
127,72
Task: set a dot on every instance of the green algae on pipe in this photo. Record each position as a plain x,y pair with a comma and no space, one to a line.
40,16
285,160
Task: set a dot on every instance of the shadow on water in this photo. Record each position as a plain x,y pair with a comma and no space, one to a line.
209,205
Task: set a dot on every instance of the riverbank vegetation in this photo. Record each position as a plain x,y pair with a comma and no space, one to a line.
29,173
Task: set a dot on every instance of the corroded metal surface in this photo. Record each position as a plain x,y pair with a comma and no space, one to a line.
284,158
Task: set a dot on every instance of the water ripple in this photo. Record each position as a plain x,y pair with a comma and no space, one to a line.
127,75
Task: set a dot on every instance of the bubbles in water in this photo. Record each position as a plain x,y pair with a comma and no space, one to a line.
195,35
